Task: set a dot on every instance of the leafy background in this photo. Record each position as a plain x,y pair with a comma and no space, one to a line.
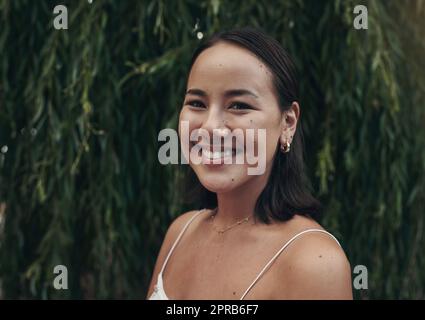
80,112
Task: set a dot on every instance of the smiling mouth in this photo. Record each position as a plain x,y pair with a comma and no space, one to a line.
207,153
218,154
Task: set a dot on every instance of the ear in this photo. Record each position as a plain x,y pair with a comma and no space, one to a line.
289,122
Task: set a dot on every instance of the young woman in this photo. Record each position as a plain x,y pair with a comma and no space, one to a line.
257,237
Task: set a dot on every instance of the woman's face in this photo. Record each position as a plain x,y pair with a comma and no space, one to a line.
230,88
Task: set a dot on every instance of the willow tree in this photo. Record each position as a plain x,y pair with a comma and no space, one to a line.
81,109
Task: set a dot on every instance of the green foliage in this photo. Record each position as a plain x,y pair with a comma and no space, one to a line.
81,185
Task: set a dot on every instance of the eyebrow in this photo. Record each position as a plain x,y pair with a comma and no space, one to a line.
228,93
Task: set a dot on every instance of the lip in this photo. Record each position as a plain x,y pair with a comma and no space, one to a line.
221,147
214,158
219,158
211,157
212,147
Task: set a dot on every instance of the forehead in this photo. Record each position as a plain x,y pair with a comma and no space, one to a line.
225,65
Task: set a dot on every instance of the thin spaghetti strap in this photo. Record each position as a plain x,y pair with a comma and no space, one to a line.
177,240
279,252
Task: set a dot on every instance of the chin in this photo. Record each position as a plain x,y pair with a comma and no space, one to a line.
220,181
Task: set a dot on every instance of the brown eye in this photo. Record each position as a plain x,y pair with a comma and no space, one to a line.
196,104
240,106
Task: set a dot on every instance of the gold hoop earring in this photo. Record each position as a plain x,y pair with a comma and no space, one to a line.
286,147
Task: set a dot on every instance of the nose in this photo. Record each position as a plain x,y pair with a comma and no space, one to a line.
216,123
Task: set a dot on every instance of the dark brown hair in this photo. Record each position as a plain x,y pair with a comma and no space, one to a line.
287,190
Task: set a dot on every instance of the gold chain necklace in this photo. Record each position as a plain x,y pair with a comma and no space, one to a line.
221,231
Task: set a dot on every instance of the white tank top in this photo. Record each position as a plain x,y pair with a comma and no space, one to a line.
159,293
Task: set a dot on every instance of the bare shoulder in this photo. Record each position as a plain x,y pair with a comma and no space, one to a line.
170,237
314,267
175,228
178,223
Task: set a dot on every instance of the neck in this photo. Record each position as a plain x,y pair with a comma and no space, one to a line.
240,202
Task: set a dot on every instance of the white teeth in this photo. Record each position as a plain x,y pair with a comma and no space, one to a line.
217,154
207,153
